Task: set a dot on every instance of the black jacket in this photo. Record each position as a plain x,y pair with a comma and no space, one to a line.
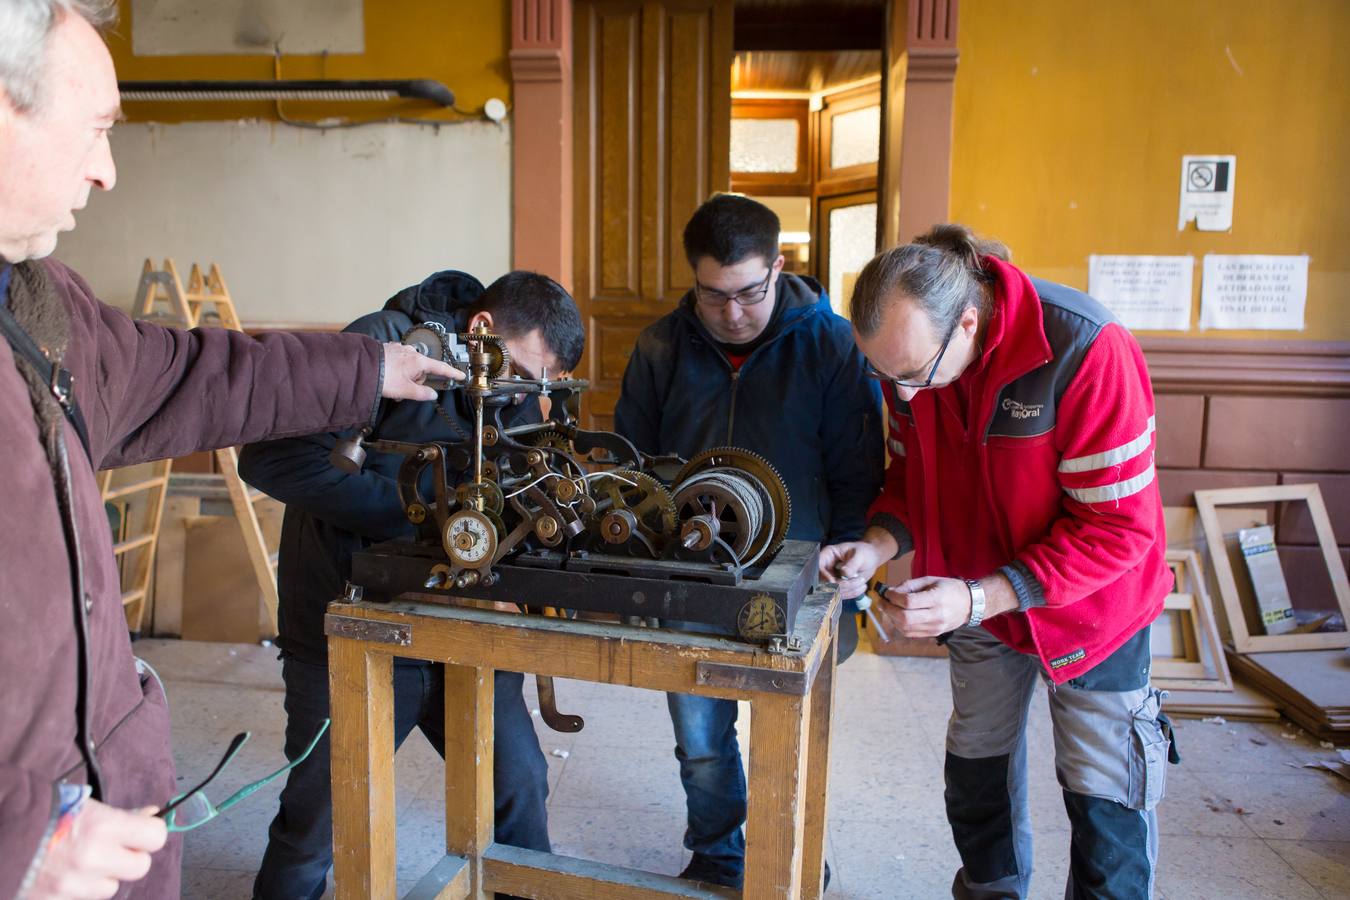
330,515
801,400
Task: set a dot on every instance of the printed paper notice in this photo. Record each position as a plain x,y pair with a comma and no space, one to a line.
1145,292
1267,292
1207,192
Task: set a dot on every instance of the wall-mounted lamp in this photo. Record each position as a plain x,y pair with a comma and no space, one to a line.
321,91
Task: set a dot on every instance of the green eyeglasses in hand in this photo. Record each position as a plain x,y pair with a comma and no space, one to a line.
193,809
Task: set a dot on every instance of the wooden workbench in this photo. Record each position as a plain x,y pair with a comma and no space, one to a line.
790,696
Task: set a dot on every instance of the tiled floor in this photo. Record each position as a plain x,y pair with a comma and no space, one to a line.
1242,819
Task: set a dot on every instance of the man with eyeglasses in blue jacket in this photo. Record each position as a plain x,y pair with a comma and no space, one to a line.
755,358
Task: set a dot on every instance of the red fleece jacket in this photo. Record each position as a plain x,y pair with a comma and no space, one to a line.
1067,463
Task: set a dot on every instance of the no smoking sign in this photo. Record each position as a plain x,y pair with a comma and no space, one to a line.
1207,175
1207,192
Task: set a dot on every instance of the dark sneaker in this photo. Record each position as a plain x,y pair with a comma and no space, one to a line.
711,871
701,868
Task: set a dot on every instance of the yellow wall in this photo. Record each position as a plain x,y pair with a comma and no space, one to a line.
1072,116
463,45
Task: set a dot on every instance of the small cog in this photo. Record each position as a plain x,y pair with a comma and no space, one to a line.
642,495
499,358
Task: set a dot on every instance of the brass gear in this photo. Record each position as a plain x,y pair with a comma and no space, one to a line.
760,468
493,501
642,495
499,358
550,437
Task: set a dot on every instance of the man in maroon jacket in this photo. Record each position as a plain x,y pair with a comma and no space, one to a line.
1021,434
84,730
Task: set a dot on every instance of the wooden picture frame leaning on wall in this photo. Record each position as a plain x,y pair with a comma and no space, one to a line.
1244,641
1206,668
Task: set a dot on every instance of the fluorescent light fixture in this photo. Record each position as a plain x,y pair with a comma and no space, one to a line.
794,237
317,90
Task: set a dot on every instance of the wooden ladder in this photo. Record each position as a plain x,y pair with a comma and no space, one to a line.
137,494
206,302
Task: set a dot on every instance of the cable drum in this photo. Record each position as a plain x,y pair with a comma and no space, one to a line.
739,501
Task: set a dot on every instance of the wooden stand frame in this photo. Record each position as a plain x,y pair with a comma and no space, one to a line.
1243,640
791,697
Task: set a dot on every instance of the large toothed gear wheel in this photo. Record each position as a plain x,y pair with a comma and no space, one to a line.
772,525
499,358
429,339
639,494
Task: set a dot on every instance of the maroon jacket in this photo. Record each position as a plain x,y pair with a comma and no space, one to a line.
146,392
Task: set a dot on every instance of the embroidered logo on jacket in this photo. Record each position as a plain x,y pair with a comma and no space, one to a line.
1022,410
1068,659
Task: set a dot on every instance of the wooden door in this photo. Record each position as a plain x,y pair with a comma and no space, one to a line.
844,218
652,114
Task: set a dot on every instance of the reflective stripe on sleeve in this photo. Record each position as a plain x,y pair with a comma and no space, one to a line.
1113,457
1114,491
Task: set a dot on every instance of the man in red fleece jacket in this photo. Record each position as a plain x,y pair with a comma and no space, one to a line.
1021,435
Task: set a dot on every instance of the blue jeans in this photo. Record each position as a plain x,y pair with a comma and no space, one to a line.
300,840
714,786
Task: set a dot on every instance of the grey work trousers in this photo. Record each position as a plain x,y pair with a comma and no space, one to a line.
1111,753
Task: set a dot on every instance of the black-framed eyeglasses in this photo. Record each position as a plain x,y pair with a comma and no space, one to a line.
874,372
747,297
192,809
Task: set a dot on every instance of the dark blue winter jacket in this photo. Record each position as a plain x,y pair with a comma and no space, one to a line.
330,515
801,400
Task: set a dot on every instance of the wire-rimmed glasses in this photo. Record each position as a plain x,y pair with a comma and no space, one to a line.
192,809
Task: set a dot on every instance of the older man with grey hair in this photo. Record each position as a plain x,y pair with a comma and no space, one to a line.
84,728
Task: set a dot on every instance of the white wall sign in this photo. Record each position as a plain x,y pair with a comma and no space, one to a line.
1254,292
1145,292
191,27
1207,192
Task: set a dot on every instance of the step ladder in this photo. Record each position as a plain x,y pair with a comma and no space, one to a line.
137,494
206,302
161,297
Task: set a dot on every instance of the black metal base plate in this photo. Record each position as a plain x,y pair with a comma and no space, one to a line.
759,606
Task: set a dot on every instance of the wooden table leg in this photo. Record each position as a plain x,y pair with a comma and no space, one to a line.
817,773
361,700
777,814
469,802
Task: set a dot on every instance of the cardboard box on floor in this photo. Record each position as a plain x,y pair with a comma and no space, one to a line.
205,588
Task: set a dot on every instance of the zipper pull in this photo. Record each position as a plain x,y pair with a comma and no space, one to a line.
62,381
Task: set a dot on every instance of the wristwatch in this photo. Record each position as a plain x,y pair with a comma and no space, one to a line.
976,602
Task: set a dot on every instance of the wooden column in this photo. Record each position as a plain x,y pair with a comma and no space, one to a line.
818,771
469,799
920,69
361,686
541,140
